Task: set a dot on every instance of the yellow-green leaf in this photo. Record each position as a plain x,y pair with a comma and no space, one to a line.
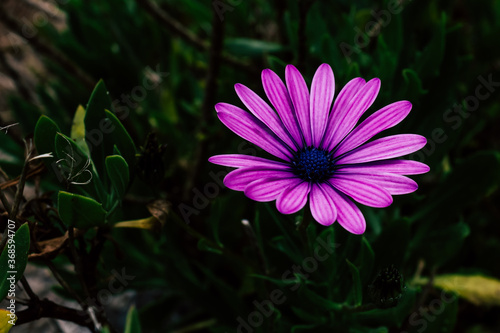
7,320
150,223
477,289
78,129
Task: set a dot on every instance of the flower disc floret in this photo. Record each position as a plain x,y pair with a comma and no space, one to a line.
313,165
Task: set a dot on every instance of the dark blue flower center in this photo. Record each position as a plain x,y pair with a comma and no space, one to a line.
313,165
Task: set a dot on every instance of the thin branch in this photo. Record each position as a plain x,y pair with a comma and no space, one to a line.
22,182
5,202
28,289
177,28
172,24
48,309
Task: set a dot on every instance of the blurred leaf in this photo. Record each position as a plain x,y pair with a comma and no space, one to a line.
429,61
150,223
14,258
439,245
388,317
356,291
203,245
316,300
392,245
307,316
365,260
251,47
132,324
78,129
478,289
79,211
118,173
468,182
443,315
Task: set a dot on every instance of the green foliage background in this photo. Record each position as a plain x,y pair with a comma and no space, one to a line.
210,271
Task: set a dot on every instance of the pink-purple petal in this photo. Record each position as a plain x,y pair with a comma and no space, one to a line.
322,92
293,199
299,94
394,184
399,167
385,118
268,189
249,128
277,93
363,192
343,101
322,205
238,161
239,179
384,148
348,214
263,112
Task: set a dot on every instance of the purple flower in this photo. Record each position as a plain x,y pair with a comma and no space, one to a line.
324,155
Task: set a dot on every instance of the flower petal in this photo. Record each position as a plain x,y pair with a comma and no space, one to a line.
293,199
322,91
264,113
394,184
268,189
249,128
348,214
346,118
239,179
363,192
323,208
238,161
342,102
399,167
299,95
384,148
385,118
278,95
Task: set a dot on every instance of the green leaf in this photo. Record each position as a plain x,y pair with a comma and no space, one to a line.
118,173
78,129
356,291
319,301
45,133
132,324
365,260
204,246
79,211
122,139
14,258
97,134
